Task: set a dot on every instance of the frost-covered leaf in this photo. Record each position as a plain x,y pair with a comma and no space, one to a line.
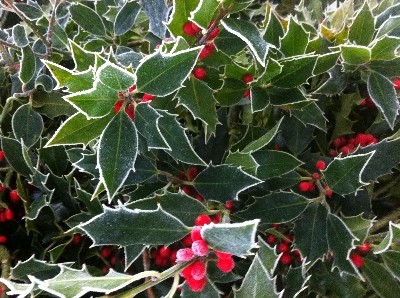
295,40
157,12
249,33
13,150
181,10
296,282
123,226
244,160
231,92
309,113
34,267
296,135
205,12
391,259
83,61
325,62
267,255
161,74
126,17
19,36
392,236
118,146
88,19
274,30
355,54
28,64
235,238
392,24
229,43
385,48
210,185
358,226
343,175
277,207
362,29
132,252
27,125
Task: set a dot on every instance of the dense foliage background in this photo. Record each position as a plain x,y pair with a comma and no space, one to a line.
200,148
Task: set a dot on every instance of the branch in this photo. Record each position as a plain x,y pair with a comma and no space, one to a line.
384,221
51,27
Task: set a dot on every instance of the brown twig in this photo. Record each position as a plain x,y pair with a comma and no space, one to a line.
393,216
146,267
52,22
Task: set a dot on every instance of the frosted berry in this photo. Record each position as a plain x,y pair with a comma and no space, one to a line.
196,285
14,196
304,186
286,258
226,265
1,155
202,219
196,233
200,248
198,270
187,240
199,73
315,176
364,248
320,165
8,214
229,205
357,260
148,97
222,255
184,255
248,78
3,239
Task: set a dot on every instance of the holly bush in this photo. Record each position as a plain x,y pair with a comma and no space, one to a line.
200,148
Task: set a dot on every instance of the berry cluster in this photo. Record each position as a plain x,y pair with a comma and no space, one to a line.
348,145
129,101
195,273
309,186
164,256
6,211
191,29
357,257
284,247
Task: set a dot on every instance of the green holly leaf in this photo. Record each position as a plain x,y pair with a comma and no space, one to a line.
358,226
282,96
392,236
385,48
34,267
295,40
257,282
310,231
51,104
132,252
123,226
295,71
79,130
244,160
161,74
181,10
272,69
355,54
177,140
83,60
296,135
198,98
229,43
343,175
387,68
274,30
13,150
336,83
391,259
231,92
340,243
27,125
392,23
274,163
118,146
88,19
383,94
205,12
249,33
183,207
126,17
147,124
157,11
209,184
264,140
234,238
277,207
259,99
325,62
267,256
380,279
19,36
296,282
309,113
28,64
74,81
362,29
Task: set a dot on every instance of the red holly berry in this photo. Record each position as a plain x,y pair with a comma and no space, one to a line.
198,270
311,186
202,219
118,105
282,247
214,33
229,205
148,97
357,260
187,240
226,265
8,214
248,78
196,233
304,186
296,254
106,252
191,28
3,239
1,155
184,255
196,285
396,84
172,257
315,176
271,240
208,49
76,239
217,218
320,165
286,258
14,196
364,248
222,255
186,189
2,188
199,73
165,251
200,248
328,191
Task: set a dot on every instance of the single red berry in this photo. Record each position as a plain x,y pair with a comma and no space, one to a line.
286,258
296,253
271,240
320,165
132,88
76,239
1,155
199,73
217,218
214,33
196,285
113,260
364,248
202,219
2,188
229,205
172,257
188,29
165,251
396,84
198,270
208,49
345,150
184,255
357,260
315,176
148,97
14,196
200,248
328,191
282,247
192,172
118,105
106,252
246,93
226,265
2,217
337,142
187,240
288,239
3,239
196,233
311,186
8,214
105,269
222,255
304,186
196,28
248,78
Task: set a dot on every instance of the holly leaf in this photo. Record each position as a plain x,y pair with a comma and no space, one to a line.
51,104
198,98
34,267
181,10
325,62
358,226
257,282
343,175
157,11
362,29
392,23
355,54
118,146
27,125
161,74
267,255
380,279
296,135
383,94
28,64
209,184
272,69
259,99
123,226
88,19
231,92
277,207
249,33
229,43
132,252
295,41
234,238
392,236
205,12
177,140
126,17
83,60
340,243
147,124
274,30
79,130
391,259
385,48
310,231
244,160
13,150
